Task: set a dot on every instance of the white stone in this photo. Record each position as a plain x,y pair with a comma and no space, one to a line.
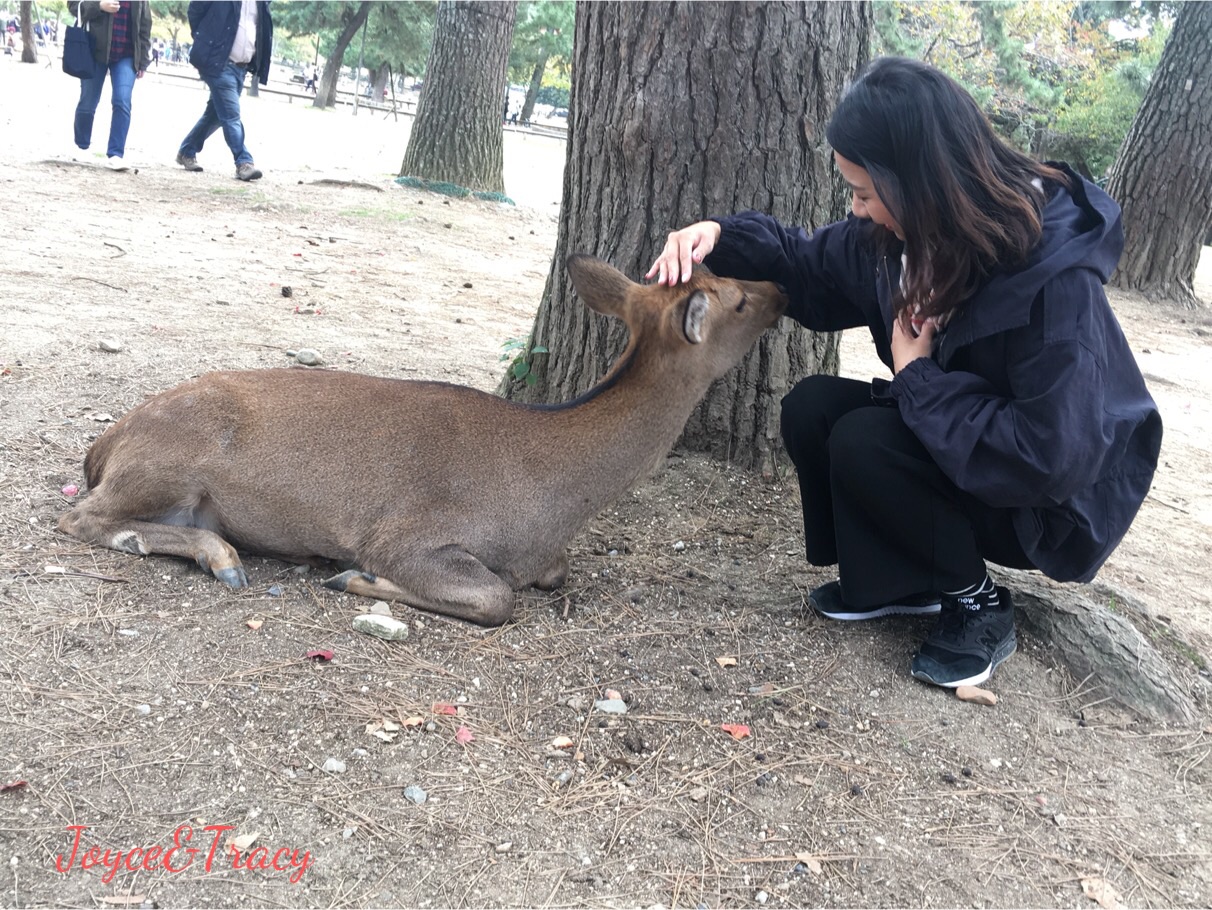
384,627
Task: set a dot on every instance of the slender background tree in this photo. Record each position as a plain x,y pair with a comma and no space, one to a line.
29,47
680,111
544,32
456,137
1163,174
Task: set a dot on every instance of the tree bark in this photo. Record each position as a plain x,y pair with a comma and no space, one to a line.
1109,640
457,136
326,92
680,111
1163,174
532,90
29,45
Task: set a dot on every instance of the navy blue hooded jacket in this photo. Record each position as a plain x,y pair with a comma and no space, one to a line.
1031,401
214,24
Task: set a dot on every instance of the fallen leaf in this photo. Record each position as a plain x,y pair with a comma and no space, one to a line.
415,721
813,864
464,736
242,843
124,900
443,708
615,694
15,785
562,742
70,490
726,661
763,689
321,654
255,624
1102,892
736,731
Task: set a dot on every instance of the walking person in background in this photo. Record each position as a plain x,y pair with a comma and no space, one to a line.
1017,428
230,37
121,31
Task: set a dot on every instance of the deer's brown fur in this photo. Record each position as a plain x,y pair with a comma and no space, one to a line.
441,496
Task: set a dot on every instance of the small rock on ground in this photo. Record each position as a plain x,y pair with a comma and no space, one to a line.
308,357
384,627
976,695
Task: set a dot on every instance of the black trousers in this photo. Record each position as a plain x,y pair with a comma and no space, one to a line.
876,504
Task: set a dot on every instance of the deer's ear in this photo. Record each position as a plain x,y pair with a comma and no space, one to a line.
603,287
696,314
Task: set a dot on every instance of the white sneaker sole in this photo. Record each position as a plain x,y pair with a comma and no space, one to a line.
889,610
998,659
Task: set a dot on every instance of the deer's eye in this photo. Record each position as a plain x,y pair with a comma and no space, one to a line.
740,307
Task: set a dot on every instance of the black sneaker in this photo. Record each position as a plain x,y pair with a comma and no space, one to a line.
827,600
972,636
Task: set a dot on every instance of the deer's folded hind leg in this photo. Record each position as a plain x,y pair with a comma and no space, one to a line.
142,538
449,581
555,576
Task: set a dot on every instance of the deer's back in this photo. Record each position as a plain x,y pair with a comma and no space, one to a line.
293,421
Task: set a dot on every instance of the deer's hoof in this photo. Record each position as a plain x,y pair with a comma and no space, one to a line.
341,582
234,577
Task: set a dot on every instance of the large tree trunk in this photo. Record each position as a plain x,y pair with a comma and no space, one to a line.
326,92
29,46
457,137
678,112
1163,174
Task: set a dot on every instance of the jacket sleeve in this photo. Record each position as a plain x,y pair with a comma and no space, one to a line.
1038,445
829,275
145,27
89,10
196,13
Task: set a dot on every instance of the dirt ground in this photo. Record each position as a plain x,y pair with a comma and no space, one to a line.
136,700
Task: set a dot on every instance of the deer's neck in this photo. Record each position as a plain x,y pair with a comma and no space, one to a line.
617,435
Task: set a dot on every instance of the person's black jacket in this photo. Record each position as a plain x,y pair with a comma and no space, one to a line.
214,24
1032,400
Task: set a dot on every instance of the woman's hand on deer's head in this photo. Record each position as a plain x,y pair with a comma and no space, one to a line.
684,248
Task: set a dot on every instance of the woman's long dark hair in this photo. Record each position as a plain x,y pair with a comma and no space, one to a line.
964,198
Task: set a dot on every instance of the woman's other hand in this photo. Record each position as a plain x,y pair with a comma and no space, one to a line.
109,6
907,347
682,249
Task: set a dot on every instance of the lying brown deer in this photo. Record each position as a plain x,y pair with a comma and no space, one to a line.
444,497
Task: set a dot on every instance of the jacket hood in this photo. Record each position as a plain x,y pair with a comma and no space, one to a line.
1082,229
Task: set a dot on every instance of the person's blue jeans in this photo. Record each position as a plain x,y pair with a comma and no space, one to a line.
222,110
122,81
